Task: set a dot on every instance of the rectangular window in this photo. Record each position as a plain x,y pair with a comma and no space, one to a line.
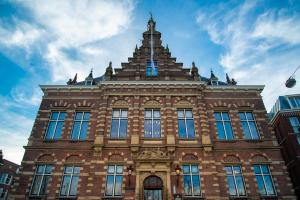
55,125
264,180
249,126
296,127
5,179
3,194
151,69
114,180
235,181
152,123
224,127
70,181
186,127
119,123
41,179
191,180
80,127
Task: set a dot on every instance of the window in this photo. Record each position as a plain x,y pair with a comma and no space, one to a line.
223,126
296,126
5,179
249,126
114,180
191,180
186,127
119,123
3,193
151,69
55,125
89,82
41,179
235,181
80,126
295,102
264,180
152,123
70,181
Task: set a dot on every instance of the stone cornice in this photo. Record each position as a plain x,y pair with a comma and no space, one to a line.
285,112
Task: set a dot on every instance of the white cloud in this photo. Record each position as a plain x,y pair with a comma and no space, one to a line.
259,48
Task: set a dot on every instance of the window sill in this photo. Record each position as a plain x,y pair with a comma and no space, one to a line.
227,141
193,198
111,198
238,198
67,198
268,197
253,140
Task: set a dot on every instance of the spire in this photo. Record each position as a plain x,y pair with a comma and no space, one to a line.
91,74
212,75
89,80
109,72
194,72
72,82
151,23
228,79
213,78
167,49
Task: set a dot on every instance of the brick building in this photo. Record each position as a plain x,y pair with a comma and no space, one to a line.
151,130
8,172
285,120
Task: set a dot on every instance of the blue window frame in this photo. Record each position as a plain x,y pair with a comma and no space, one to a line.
55,125
296,127
70,181
41,180
235,181
186,128
249,126
152,123
264,180
80,126
119,123
114,180
151,69
191,180
224,127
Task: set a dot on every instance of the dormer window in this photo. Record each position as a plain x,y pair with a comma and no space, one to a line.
89,82
214,82
151,69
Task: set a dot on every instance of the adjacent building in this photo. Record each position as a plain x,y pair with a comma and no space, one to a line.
152,129
285,120
8,172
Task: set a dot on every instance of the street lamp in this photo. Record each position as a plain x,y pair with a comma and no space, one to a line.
129,170
177,171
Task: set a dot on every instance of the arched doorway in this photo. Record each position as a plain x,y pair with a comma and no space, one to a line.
153,188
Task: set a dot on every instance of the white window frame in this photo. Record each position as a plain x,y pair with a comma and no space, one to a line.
56,122
120,110
4,177
3,192
115,174
250,120
81,121
71,180
152,118
43,176
223,125
234,175
191,180
263,178
185,119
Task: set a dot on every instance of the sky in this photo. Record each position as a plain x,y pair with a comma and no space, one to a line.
47,42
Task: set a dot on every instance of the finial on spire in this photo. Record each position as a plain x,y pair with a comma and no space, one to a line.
167,48
151,23
91,73
151,18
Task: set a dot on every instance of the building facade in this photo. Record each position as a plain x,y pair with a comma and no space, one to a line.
152,130
8,172
285,120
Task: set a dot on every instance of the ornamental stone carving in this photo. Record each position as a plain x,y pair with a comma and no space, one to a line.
153,154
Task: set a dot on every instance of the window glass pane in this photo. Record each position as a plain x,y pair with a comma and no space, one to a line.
237,170
220,129
148,113
187,185
256,169
246,130
123,128
54,115
58,130
50,130
231,186
109,185
218,116
225,116
40,169
269,185
264,169
48,169
228,130
156,128
124,113
240,185
190,128
228,170
148,128
180,113
116,113
84,130
62,115
78,115
111,169
186,169
196,185
75,131
242,116
119,169
260,185
188,114
76,170
68,170
194,169
118,187
156,114
253,130
65,186
86,116
36,185
44,185
249,116
73,189
181,129
114,128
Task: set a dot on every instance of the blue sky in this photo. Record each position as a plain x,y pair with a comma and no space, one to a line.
47,42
